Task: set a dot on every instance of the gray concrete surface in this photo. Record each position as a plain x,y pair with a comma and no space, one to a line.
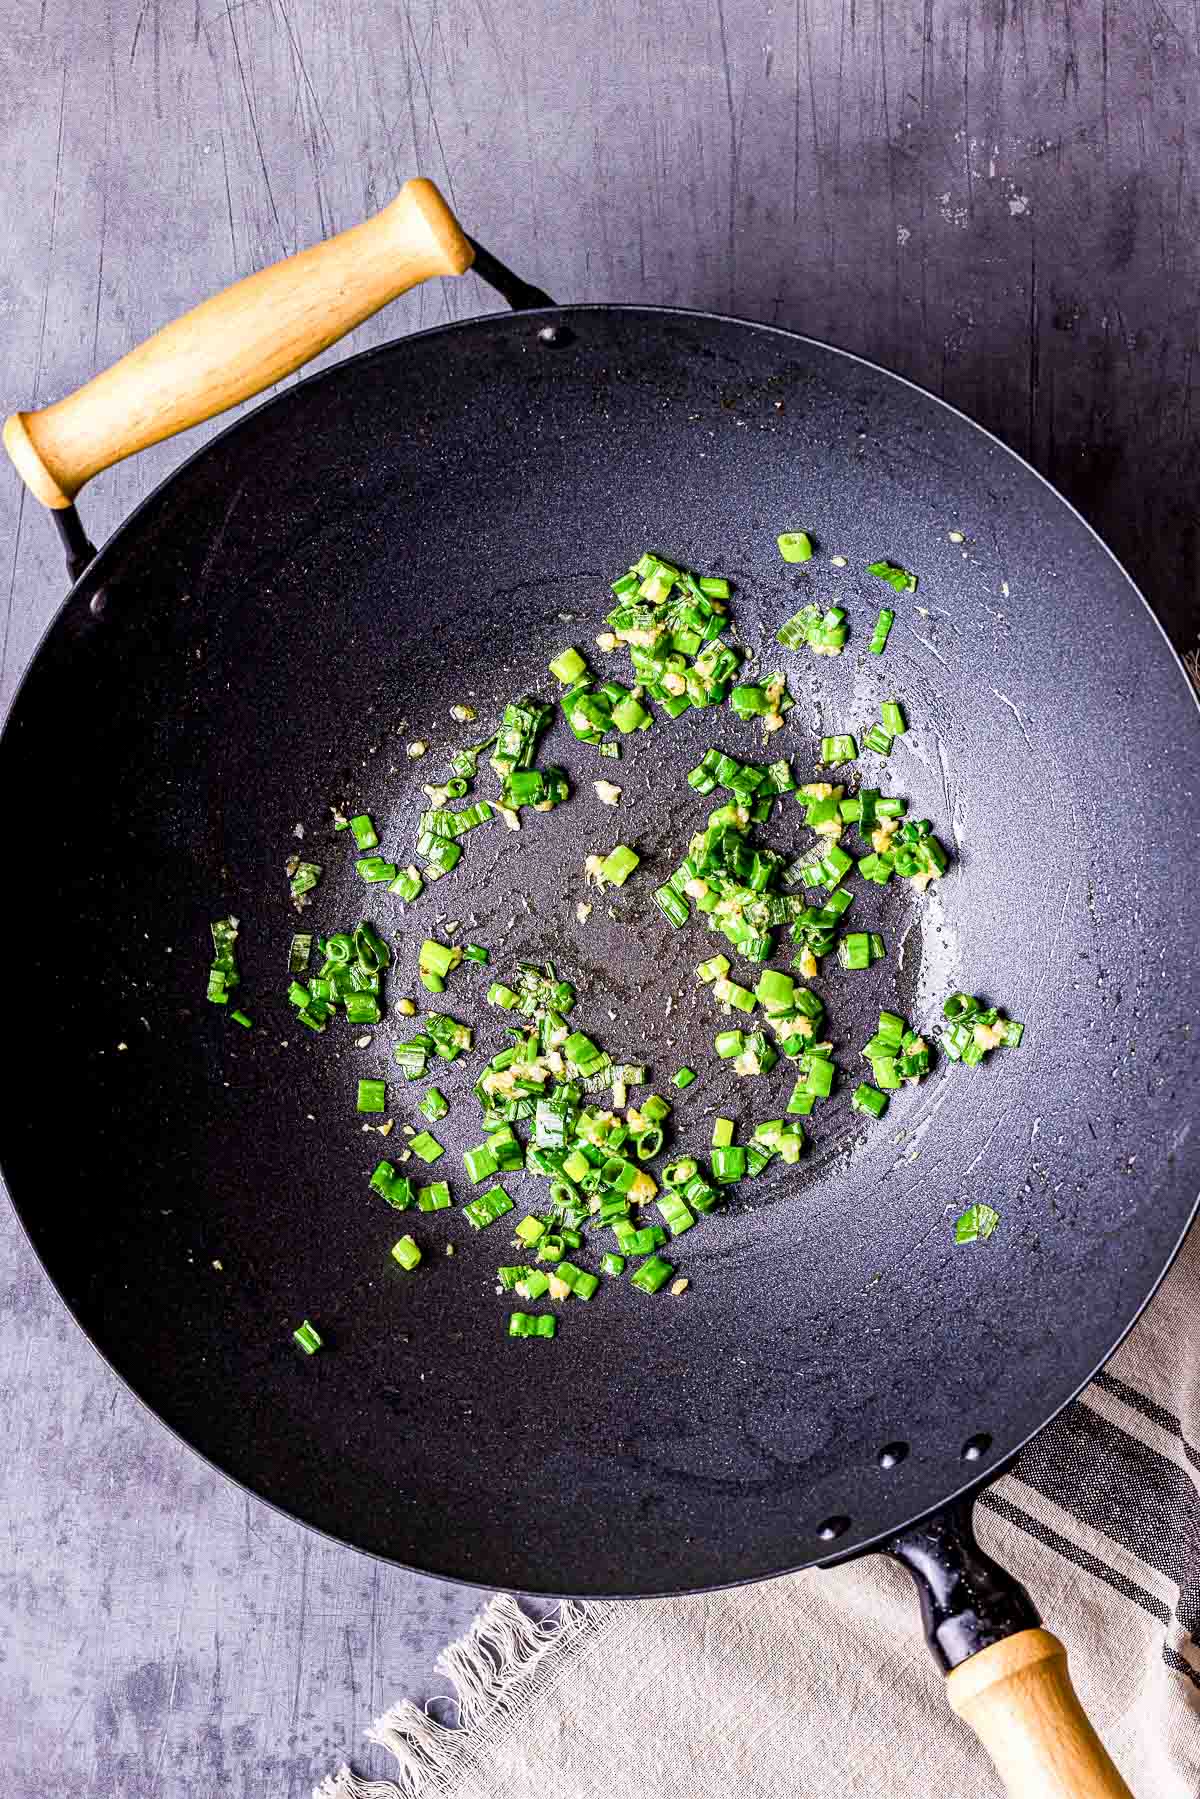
1000,200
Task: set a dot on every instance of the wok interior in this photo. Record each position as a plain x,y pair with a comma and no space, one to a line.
426,527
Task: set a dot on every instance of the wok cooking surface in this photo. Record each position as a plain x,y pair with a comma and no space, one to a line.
427,525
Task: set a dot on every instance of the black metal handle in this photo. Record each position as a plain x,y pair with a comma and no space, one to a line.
968,1601
518,294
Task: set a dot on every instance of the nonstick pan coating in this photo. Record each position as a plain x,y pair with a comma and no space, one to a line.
427,525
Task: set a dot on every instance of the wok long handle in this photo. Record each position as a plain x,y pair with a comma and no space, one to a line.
1005,1675
1018,1699
236,344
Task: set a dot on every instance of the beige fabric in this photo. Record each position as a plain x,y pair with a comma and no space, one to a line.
819,1685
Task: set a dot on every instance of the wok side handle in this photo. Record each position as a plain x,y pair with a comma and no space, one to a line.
237,343
1005,1676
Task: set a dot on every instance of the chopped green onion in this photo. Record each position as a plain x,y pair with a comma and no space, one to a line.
893,717
362,1008
866,1098
304,878
372,1096
795,546
438,959
427,1147
879,636
308,1338
877,739
683,1077
395,1188
672,904
978,1221
434,1198
894,575
365,835
480,1163
524,1324
375,869
488,1207
300,953
435,1105
841,748
241,1018
612,1263
475,952
568,667
407,884
728,1164
617,866
652,1275
406,1253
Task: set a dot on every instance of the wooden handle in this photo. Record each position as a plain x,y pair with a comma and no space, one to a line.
236,344
1018,1699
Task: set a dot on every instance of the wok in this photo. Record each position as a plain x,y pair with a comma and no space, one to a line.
426,525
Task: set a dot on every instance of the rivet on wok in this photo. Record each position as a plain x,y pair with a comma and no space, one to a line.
892,1454
833,1527
975,1448
554,335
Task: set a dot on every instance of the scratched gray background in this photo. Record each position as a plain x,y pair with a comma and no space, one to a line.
999,200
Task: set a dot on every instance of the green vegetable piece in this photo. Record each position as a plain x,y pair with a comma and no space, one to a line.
618,865
488,1207
241,1018
299,953
612,1263
426,1147
435,1105
305,876
362,1008
978,1221
408,884
395,1188
893,717
854,950
372,1096
530,1230
365,834
795,546
406,1253
568,666
480,1163
652,1274
879,637
895,576
869,1099
839,748
437,958
434,1198
308,1337
728,1164
683,1077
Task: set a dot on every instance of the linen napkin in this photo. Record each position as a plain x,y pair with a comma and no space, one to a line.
819,1684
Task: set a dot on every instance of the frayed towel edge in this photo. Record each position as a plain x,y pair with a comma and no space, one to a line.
492,1668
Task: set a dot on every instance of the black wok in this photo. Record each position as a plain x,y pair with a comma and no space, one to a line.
425,525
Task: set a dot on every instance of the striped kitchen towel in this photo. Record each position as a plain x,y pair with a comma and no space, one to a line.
819,1684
